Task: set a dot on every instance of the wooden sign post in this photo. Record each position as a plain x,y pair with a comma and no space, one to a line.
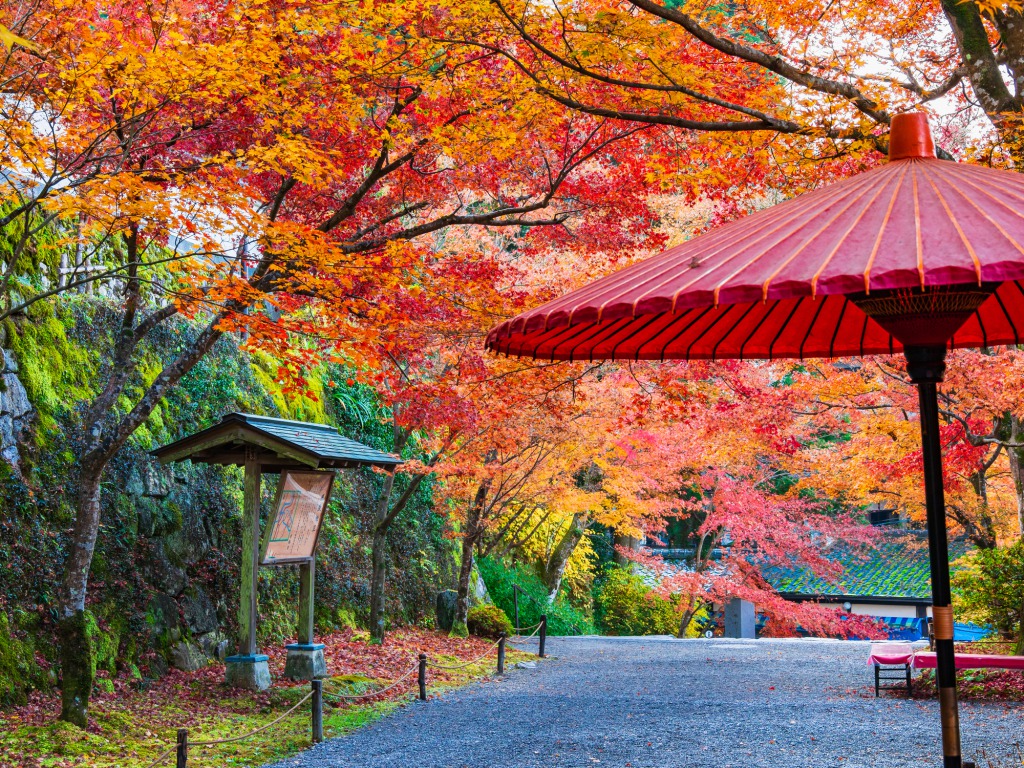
303,453
247,668
291,536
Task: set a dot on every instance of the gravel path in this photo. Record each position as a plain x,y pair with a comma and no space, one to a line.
653,702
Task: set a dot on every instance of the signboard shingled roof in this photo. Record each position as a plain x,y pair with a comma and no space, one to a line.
280,444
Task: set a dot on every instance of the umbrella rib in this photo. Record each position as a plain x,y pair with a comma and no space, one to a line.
863,333
856,222
981,324
764,318
589,333
633,335
771,347
956,225
548,335
853,200
714,322
1006,314
1007,178
661,271
612,330
881,229
992,221
786,222
791,211
719,248
835,332
810,327
687,327
724,336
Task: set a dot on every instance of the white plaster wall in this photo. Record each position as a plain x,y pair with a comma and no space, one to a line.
880,609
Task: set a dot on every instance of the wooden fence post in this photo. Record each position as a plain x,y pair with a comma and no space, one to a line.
423,677
182,752
515,604
543,633
318,711
501,655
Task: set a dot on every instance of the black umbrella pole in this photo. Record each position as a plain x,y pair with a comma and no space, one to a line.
926,368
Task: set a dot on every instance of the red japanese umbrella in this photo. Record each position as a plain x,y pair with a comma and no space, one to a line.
917,256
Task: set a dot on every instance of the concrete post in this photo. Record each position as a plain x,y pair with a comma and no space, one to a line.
739,619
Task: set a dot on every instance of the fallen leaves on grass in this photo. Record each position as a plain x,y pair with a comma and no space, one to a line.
136,720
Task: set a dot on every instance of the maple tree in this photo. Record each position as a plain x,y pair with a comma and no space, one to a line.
872,410
730,440
806,81
275,170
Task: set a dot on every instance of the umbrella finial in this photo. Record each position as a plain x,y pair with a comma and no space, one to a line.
910,136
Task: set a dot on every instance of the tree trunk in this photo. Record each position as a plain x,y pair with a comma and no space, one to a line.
1016,458
104,437
385,517
981,529
465,577
1018,649
687,617
554,569
378,575
983,70
470,537
630,543
76,648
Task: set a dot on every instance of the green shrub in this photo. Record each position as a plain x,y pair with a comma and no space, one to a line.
625,605
488,621
987,589
563,618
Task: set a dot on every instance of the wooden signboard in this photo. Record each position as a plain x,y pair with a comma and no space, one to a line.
294,526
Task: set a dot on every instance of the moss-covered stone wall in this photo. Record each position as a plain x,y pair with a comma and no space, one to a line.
164,578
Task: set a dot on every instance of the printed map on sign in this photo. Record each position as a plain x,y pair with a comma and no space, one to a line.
301,501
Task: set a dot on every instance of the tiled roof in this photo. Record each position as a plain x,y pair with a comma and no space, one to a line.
282,443
897,567
322,440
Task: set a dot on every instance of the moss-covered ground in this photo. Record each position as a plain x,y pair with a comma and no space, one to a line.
133,724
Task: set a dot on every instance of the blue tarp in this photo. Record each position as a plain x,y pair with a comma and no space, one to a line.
900,628
968,633
917,629
905,628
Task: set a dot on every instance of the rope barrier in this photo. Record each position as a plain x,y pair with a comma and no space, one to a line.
521,638
244,736
318,692
468,663
298,704
162,757
372,693
520,630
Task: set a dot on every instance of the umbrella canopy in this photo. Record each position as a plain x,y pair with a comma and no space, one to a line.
800,279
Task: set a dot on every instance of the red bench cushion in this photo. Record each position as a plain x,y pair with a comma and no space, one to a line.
891,653
925,660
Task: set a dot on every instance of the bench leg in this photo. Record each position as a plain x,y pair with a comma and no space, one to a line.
876,680
908,681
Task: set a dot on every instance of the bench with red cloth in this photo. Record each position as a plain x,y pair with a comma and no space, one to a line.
901,657
892,663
